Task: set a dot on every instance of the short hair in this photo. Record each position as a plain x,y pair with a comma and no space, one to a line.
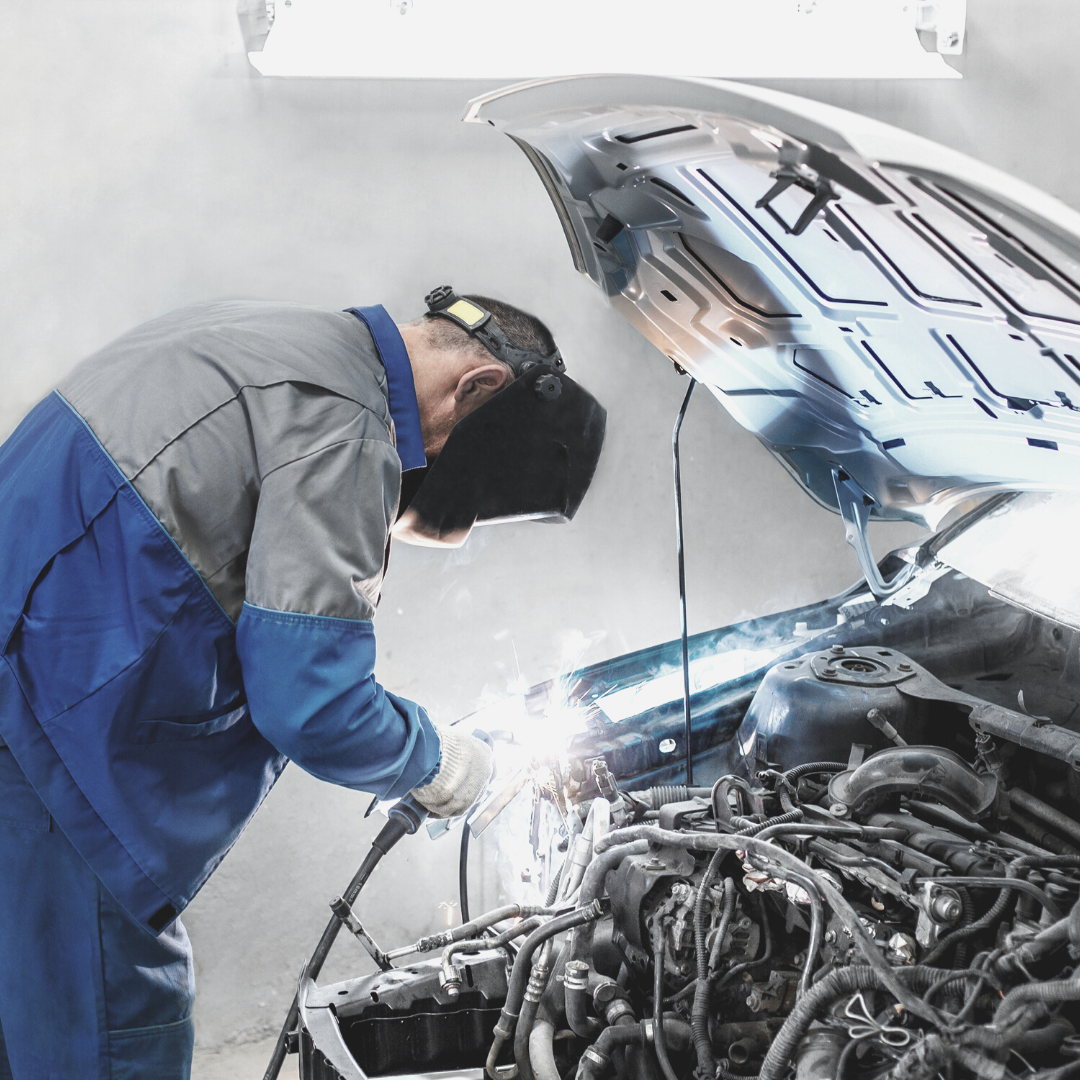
524,330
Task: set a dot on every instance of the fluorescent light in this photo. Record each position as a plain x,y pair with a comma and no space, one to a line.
500,39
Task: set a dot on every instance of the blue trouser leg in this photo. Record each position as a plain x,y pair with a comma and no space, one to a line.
85,992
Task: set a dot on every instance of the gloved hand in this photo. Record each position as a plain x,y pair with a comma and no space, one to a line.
464,772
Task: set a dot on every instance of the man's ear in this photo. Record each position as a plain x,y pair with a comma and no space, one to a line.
482,382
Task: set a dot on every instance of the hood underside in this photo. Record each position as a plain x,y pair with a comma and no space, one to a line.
889,317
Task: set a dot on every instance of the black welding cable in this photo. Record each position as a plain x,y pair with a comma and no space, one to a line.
463,873
682,581
391,833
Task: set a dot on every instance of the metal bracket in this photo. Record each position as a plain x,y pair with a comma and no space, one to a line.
855,505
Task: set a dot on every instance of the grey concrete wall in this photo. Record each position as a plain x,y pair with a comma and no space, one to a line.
142,168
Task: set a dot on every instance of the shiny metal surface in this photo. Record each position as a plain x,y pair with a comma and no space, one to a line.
920,332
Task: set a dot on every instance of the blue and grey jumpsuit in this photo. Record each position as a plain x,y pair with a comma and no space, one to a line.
193,535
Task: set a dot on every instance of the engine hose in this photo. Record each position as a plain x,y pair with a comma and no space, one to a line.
1045,993
659,1042
463,873
553,886
592,887
820,996
522,969
1043,1040
809,767
817,929
1000,906
699,1017
933,1055
537,984
960,957
832,895
751,828
725,922
542,1050
665,794
576,993
1020,884
766,955
992,917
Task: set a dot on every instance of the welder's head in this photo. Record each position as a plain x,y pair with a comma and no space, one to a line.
528,451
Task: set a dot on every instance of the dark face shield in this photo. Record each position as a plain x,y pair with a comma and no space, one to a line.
528,453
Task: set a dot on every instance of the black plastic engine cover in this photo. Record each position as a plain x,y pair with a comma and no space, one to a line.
403,1021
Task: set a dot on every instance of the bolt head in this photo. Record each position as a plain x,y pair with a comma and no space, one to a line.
838,809
838,649
903,666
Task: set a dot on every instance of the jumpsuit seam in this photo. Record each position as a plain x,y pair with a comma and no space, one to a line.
323,449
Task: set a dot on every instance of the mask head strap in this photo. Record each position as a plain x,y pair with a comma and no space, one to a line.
479,323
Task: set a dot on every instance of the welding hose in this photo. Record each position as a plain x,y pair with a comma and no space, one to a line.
519,976
776,854
404,819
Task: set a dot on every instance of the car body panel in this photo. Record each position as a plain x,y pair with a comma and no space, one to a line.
920,335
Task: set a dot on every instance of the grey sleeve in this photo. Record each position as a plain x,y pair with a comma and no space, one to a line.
321,528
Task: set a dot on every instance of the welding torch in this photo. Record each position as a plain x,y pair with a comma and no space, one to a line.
405,817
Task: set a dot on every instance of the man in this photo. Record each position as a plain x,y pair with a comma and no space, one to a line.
195,528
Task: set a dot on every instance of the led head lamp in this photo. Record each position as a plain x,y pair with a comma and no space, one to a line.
479,323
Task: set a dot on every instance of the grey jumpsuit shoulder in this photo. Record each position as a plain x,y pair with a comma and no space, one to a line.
260,436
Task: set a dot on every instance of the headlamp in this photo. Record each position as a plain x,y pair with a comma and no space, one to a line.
479,323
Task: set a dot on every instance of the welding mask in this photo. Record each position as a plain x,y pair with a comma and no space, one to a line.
528,453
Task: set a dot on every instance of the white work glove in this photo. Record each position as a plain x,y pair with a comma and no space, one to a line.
463,775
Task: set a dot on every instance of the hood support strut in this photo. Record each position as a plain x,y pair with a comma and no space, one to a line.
855,506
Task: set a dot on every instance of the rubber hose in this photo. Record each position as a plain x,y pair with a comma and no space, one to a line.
463,873
766,955
529,1007
699,1018
833,896
820,996
577,997
812,767
1047,993
626,1032
522,1031
592,887
753,828
519,976
391,832
542,1050
659,1043
553,886
1043,1040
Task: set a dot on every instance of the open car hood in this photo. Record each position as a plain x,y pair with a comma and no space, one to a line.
911,342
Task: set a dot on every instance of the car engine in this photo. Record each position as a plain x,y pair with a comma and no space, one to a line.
872,889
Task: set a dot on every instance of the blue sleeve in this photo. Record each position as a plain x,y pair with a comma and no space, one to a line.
312,693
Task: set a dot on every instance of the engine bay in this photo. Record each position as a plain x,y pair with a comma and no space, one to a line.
883,882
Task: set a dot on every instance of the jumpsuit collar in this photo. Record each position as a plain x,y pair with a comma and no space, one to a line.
399,384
